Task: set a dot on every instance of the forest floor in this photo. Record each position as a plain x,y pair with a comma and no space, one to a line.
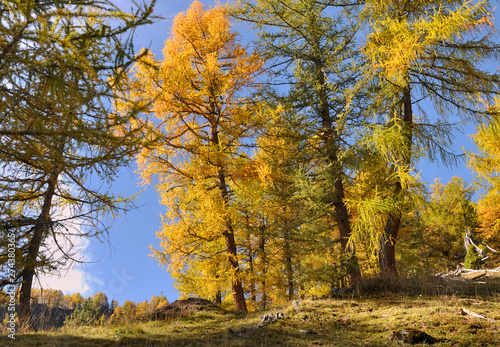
371,318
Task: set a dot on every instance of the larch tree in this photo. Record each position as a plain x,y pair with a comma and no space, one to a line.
59,64
272,213
425,61
486,166
200,110
309,47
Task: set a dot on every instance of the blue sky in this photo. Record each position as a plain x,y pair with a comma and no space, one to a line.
123,269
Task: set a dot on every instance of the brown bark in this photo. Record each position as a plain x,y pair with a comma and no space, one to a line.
253,285
262,249
237,287
288,266
331,148
387,253
228,233
352,267
40,230
218,297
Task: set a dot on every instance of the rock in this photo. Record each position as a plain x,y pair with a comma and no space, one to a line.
310,332
296,305
412,336
270,318
184,307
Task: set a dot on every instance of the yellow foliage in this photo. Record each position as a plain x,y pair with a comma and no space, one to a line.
397,42
486,165
197,108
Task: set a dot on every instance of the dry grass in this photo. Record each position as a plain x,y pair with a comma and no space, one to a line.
366,318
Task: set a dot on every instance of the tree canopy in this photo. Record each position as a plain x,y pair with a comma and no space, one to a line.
60,63
289,166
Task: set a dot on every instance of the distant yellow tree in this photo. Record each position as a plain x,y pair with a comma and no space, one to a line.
197,105
143,310
486,165
76,300
156,301
125,313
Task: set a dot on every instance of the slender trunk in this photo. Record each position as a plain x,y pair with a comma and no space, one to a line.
288,263
342,215
251,260
218,294
228,233
262,250
387,253
42,225
253,287
218,298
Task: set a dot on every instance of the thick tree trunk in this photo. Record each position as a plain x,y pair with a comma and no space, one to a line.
342,215
237,287
26,322
352,267
42,225
387,253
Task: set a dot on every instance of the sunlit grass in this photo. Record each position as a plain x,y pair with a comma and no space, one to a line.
356,319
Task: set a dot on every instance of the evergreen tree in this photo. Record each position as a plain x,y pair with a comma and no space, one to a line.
309,46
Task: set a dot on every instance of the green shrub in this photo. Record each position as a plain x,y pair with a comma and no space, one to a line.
85,314
473,259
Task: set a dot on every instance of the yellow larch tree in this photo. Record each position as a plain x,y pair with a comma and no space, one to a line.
486,166
197,104
425,59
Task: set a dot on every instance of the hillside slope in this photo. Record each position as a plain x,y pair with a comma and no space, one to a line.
347,321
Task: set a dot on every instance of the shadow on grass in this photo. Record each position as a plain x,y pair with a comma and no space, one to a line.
274,336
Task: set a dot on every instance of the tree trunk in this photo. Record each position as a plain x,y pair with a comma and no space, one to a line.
253,286
262,249
218,298
387,253
288,264
352,267
331,149
42,225
228,233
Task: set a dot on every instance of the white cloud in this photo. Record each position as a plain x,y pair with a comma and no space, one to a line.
70,281
72,277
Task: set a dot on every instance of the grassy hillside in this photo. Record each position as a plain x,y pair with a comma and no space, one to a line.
351,319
